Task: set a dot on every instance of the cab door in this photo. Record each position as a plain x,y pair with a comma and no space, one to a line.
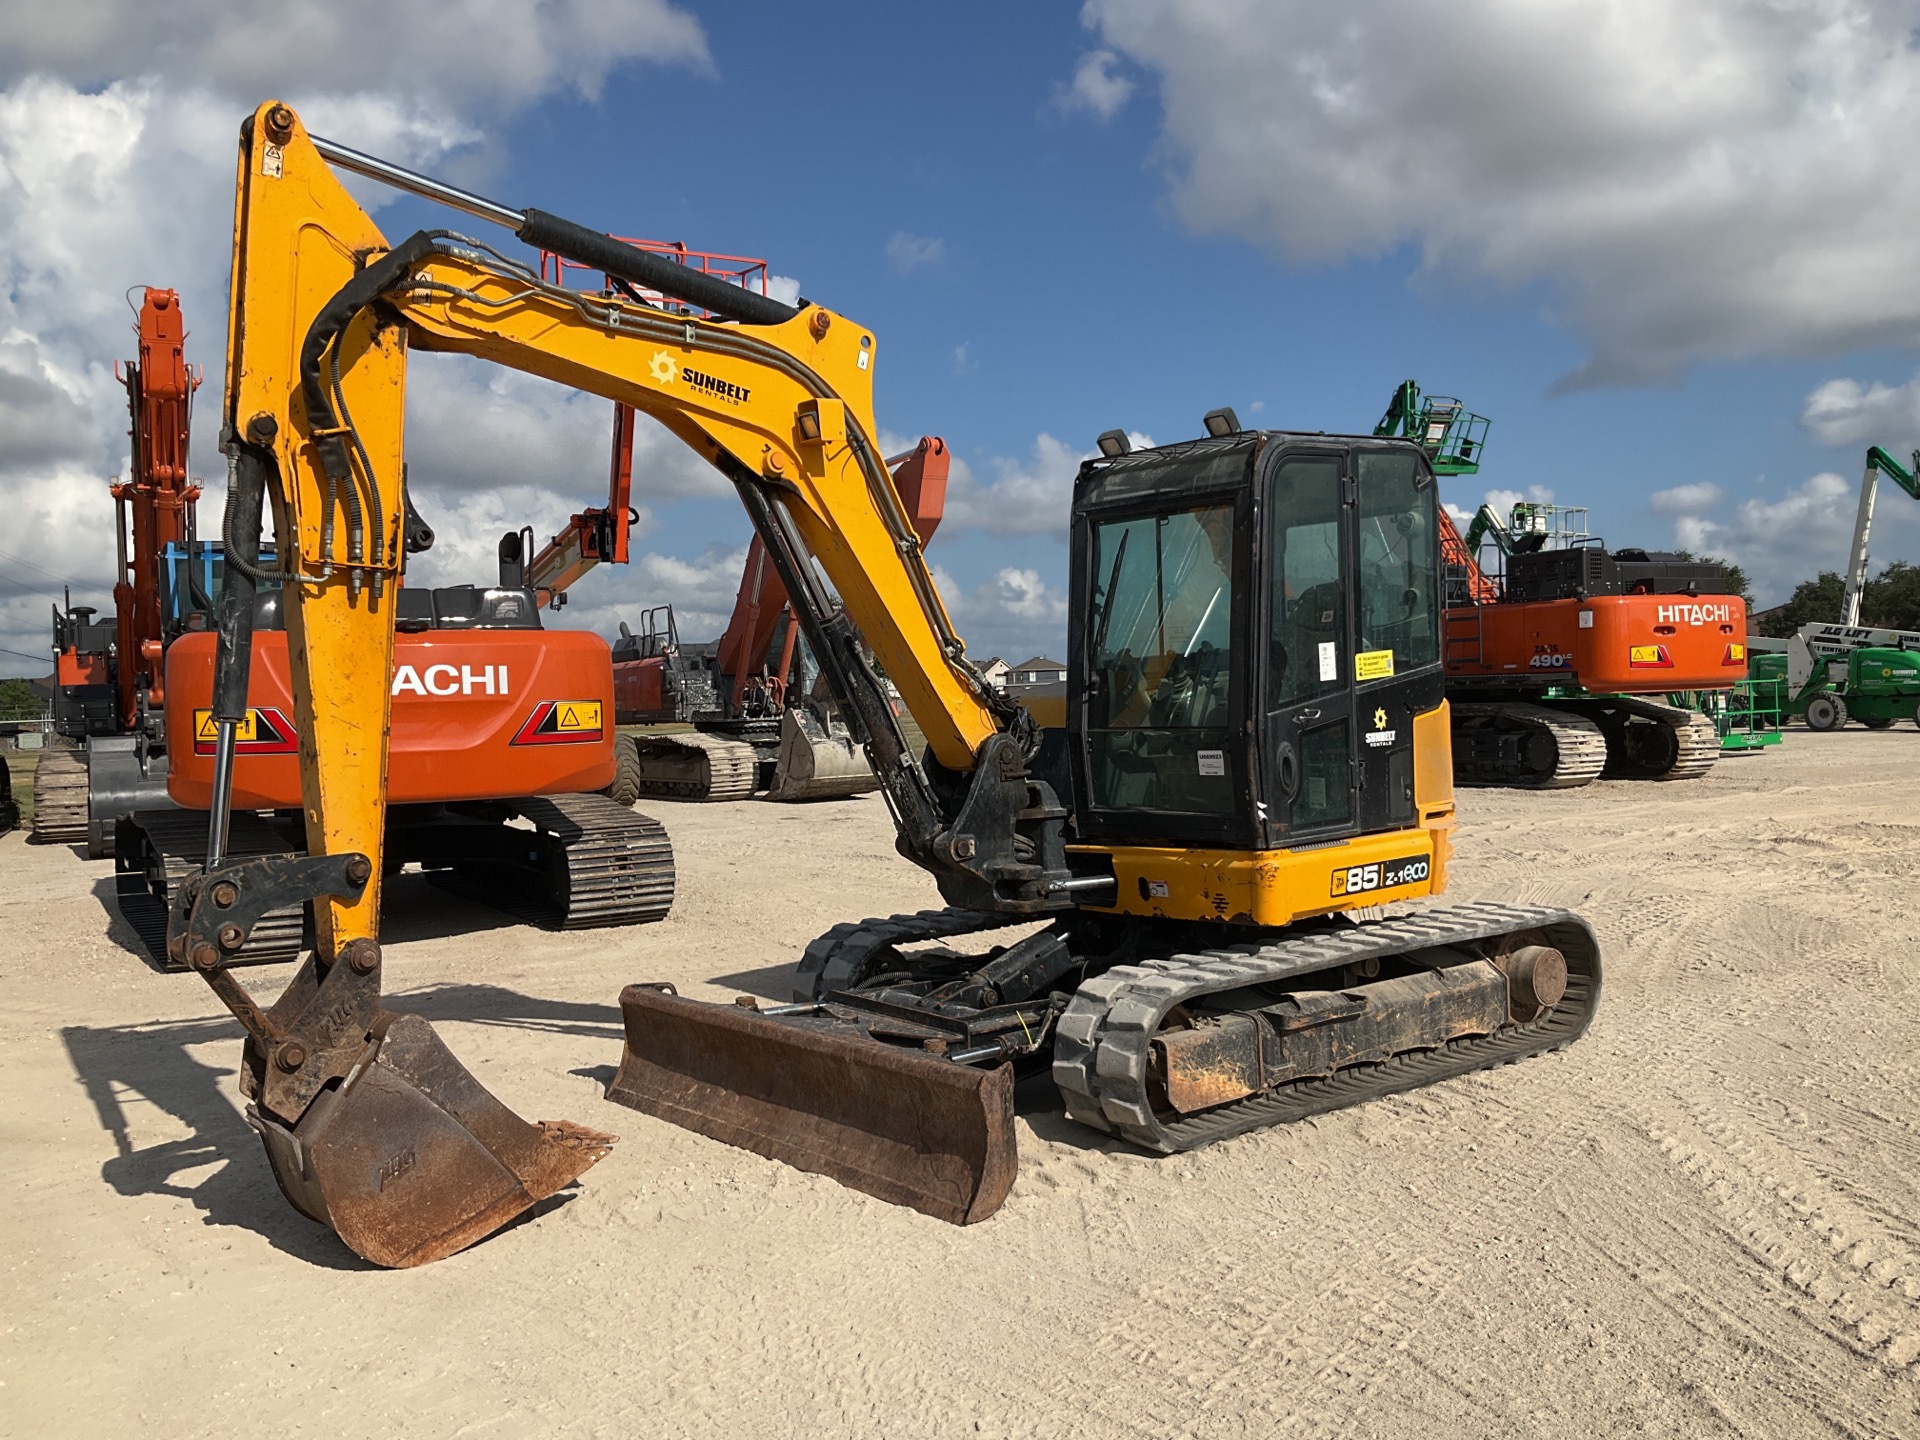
1308,740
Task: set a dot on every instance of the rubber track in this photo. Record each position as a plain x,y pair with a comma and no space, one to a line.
835,961
1582,749
60,798
1699,741
1102,1042
179,839
731,766
619,867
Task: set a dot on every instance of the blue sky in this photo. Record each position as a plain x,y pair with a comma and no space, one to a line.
1059,221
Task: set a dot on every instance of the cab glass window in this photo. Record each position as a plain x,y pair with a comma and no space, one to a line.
1399,581
1309,603
1160,641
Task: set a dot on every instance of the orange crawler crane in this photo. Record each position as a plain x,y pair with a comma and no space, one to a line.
757,729
109,680
1559,663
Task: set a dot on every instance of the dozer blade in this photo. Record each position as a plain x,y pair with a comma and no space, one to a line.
905,1126
816,764
410,1158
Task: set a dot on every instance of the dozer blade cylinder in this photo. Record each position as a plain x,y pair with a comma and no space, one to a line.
816,765
908,1127
411,1158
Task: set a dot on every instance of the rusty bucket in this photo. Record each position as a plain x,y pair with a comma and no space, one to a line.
409,1158
818,763
908,1127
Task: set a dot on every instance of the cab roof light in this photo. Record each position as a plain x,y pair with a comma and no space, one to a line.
1114,443
1222,422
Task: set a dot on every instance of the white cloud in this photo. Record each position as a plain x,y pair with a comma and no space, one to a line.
1097,86
1780,542
1845,412
1686,499
474,427
907,253
1503,501
1689,182
479,56
1014,614
117,132
784,288
1025,497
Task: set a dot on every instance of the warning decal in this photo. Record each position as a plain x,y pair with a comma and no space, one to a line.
563,722
265,731
1649,657
1373,665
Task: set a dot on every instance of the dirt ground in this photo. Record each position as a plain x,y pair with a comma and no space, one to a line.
1703,1219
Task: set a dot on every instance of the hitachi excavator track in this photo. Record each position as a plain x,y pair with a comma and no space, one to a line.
155,851
60,798
1102,1060
1648,740
587,863
690,765
1525,746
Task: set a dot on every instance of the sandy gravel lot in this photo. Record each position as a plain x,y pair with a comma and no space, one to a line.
1704,1219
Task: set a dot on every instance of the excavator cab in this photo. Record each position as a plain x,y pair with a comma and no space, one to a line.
1262,625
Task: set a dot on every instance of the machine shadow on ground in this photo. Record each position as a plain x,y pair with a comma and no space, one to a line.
123,1066
769,982
414,909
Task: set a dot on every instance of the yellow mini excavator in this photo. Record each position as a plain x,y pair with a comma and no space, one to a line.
1254,747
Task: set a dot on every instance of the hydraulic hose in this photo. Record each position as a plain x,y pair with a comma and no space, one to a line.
233,653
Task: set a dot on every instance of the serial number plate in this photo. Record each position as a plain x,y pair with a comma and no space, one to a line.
1381,875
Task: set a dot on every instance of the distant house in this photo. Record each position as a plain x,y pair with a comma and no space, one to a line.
1030,674
996,670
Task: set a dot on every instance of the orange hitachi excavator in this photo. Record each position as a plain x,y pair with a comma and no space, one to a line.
757,726
502,729
1560,659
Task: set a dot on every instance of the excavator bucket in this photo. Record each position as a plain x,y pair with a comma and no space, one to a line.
410,1158
817,763
906,1126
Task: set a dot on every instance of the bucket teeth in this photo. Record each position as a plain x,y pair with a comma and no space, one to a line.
905,1126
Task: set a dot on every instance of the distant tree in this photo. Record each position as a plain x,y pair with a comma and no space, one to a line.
1736,581
17,699
1811,600
1892,598
1891,601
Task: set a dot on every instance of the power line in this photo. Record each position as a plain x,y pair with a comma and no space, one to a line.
18,560
41,659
